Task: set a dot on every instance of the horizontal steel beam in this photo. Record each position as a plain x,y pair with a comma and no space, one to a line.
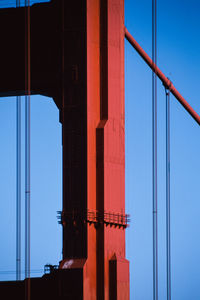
166,82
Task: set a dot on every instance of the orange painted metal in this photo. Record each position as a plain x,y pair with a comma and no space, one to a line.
103,178
166,82
93,116
111,145
80,63
105,148
106,145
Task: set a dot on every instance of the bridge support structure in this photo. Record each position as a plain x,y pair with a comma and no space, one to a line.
77,57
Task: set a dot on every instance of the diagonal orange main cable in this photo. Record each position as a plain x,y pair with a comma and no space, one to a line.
166,82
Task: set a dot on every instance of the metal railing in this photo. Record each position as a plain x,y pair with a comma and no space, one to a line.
94,217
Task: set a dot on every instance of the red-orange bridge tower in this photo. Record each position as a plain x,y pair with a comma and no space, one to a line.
80,63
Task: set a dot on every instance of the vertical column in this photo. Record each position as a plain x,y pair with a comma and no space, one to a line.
111,152
93,117
74,125
100,146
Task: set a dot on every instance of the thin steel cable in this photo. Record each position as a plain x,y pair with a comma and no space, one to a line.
63,111
27,186
18,188
12,272
168,229
154,152
27,140
18,182
27,151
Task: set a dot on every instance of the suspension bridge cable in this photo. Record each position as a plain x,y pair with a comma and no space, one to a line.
27,140
154,151
18,188
168,233
27,150
27,186
166,82
12,272
18,182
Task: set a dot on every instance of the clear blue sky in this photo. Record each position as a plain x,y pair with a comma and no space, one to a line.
178,58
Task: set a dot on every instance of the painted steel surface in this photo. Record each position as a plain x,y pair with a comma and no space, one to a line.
80,63
166,82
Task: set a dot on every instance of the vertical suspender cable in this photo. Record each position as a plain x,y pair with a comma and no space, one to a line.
18,188
63,114
27,139
168,235
154,150
27,186
18,182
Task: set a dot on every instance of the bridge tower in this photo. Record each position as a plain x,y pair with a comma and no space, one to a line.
77,57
